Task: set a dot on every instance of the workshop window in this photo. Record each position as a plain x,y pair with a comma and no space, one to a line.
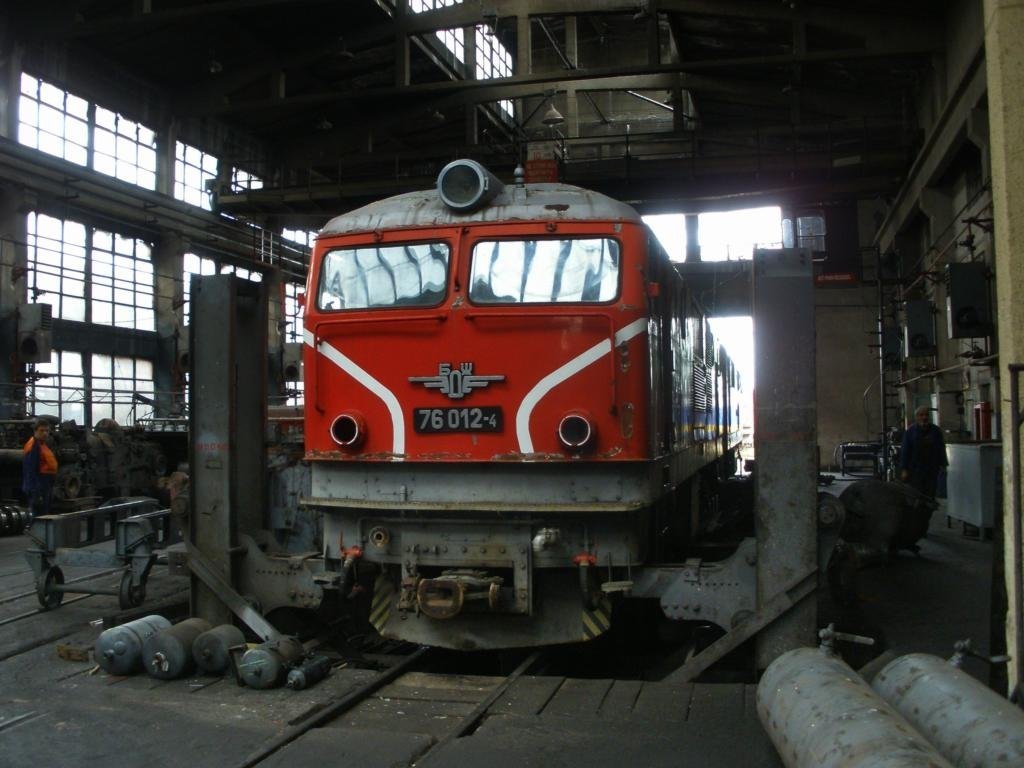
122,388
301,236
242,272
808,233
124,149
193,168
121,274
59,389
295,393
492,60
294,250
53,120
56,265
243,181
194,265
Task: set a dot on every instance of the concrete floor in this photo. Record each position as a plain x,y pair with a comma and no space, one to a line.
57,712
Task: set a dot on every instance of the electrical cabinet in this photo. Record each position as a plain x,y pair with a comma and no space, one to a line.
35,333
919,331
968,307
974,484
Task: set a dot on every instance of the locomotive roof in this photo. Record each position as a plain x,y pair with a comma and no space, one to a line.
529,202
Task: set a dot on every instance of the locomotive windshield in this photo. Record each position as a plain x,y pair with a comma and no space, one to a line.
406,275
577,270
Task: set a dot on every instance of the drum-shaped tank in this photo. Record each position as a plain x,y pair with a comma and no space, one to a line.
210,649
118,650
819,713
266,665
168,654
309,673
970,724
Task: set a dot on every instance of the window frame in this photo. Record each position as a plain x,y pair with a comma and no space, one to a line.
320,273
472,245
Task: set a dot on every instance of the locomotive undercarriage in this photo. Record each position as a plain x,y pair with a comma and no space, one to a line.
545,569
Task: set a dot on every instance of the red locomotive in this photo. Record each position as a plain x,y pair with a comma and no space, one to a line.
512,402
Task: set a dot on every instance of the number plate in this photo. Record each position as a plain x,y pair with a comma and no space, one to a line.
485,419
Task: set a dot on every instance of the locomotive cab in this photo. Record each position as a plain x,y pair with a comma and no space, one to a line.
498,407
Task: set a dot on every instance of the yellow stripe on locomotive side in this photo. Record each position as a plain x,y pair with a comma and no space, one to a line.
596,621
380,606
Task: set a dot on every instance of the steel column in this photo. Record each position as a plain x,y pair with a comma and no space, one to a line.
227,350
785,441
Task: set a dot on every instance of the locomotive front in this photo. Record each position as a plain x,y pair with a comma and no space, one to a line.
478,383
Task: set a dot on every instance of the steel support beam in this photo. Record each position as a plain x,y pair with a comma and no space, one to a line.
785,442
868,24
227,348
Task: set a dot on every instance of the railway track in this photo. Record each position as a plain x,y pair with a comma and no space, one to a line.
332,709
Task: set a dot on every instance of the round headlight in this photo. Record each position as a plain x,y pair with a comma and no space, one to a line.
576,431
465,185
348,430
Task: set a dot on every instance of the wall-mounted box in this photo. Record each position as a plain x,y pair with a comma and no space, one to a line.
919,331
968,306
35,333
974,484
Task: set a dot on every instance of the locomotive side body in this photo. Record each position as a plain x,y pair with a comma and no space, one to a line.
500,412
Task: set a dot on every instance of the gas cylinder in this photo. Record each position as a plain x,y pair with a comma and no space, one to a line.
266,665
118,650
969,723
210,649
168,654
819,713
309,673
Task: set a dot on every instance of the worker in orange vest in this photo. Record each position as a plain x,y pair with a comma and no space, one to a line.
38,470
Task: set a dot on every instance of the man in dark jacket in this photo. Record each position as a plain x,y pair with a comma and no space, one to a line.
38,470
923,454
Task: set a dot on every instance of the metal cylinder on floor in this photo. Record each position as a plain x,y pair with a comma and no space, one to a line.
970,724
266,665
211,649
309,673
168,654
819,713
118,650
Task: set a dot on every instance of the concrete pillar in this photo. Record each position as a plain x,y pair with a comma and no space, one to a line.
275,335
10,83
978,134
653,40
938,207
402,71
571,41
692,239
1004,62
524,59
166,140
572,113
13,261
785,443
469,59
172,343
524,50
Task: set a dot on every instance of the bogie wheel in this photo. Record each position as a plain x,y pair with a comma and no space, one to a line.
129,596
49,598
